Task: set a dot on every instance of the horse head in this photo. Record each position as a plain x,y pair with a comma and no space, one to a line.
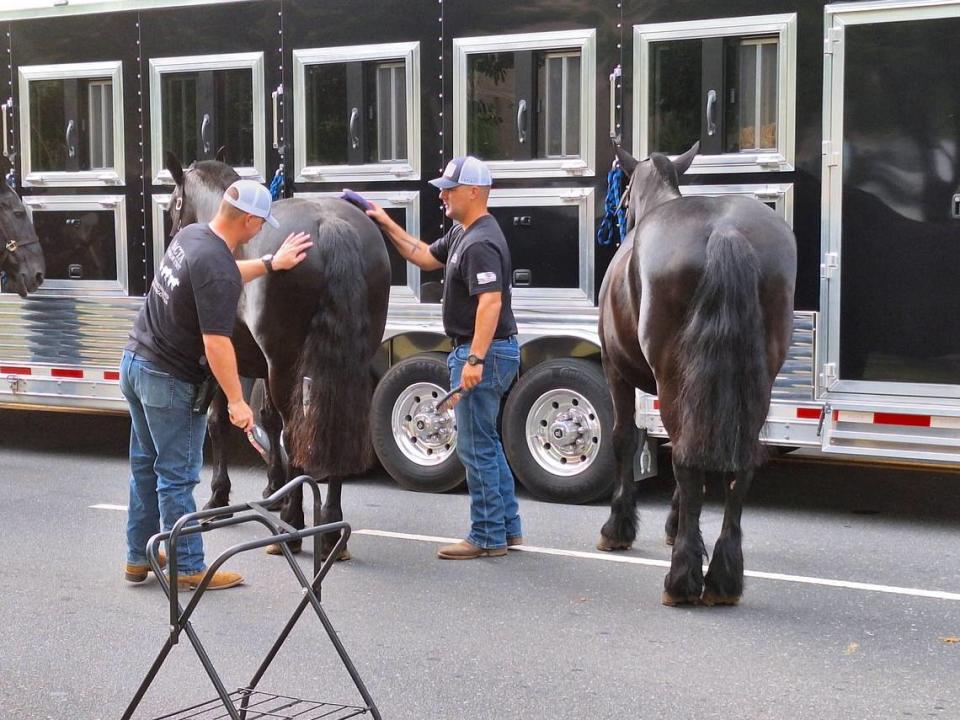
199,189
21,255
652,181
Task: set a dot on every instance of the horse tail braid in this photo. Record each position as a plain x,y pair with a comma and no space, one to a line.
724,393
331,436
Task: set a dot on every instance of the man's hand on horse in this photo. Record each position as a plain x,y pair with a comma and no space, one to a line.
292,252
378,214
240,414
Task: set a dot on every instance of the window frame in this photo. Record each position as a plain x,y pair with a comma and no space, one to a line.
780,193
112,176
252,61
583,165
159,205
409,54
66,203
784,27
585,198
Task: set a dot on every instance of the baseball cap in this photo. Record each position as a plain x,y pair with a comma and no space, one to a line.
253,198
466,170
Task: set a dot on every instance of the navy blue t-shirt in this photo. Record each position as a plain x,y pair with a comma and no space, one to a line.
195,293
476,260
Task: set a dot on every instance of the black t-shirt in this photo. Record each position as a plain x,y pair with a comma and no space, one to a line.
195,293
476,260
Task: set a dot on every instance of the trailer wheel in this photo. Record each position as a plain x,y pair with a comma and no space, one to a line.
415,444
557,432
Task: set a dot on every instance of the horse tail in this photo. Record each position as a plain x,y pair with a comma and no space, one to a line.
724,386
331,436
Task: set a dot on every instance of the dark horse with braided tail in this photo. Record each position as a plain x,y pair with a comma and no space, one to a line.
697,308
322,320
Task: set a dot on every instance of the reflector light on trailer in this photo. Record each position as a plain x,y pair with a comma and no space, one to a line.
64,373
12,370
111,375
809,413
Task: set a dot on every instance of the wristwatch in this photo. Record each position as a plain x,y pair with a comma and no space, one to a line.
474,360
267,261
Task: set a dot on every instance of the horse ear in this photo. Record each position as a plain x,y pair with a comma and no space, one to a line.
682,163
627,161
175,168
222,153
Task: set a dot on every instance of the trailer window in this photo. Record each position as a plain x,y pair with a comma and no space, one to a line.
776,196
201,104
727,84
523,102
360,117
72,124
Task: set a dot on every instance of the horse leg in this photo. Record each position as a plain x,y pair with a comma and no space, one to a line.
218,425
272,423
684,582
332,512
724,581
673,518
620,529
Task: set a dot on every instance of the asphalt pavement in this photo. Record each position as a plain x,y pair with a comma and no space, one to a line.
852,605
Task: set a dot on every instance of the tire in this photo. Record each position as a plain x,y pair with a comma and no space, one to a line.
569,397
416,447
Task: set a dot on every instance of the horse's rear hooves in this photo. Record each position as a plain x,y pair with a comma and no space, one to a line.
678,600
710,599
295,547
607,545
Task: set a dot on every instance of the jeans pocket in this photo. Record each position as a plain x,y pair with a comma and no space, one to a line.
157,388
505,367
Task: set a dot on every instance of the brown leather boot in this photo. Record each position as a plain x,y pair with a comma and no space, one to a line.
465,550
222,580
138,573
514,541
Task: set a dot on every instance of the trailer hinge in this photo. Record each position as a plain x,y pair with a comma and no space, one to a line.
833,158
17,385
830,264
828,375
832,40
825,412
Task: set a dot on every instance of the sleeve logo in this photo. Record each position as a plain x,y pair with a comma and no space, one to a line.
485,278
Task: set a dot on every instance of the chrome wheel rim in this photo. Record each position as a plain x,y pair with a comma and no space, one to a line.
563,432
423,435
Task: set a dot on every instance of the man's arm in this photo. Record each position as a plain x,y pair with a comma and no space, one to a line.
488,315
222,359
409,247
290,254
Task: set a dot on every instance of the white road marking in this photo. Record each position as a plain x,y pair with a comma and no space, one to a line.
650,562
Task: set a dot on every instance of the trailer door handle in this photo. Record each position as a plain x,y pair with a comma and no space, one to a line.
522,121
522,278
711,112
205,133
275,95
6,106
354,138
70,136
956,205
613,101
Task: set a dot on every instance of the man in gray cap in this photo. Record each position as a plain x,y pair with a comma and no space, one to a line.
478,317
182,335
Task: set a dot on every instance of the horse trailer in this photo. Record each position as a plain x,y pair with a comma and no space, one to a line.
841,117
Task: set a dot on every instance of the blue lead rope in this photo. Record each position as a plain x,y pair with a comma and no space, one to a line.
276,185
613,227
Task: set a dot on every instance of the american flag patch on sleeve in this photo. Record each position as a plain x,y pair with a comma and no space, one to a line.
484,278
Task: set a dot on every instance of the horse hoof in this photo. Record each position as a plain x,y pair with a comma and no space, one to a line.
677,600
273,506
710,599
607,545
669,539
344,555
274,549
212,518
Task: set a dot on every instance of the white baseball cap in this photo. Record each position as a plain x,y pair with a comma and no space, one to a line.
465,170
253,198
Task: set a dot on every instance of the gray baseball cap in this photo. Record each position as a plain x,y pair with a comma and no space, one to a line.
253,198
466,170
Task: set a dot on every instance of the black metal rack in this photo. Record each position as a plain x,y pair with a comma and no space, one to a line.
249,703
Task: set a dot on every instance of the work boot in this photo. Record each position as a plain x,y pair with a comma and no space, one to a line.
514,541
466,550
221,580
138,573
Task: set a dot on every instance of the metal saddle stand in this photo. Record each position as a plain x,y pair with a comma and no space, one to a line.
249,703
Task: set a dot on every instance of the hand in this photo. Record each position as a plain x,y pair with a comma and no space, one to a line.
471,376
292,252
378,214
240,414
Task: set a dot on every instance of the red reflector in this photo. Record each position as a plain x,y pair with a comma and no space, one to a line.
60,372
900,419
15,370
809,413
656,404
111,375
836,416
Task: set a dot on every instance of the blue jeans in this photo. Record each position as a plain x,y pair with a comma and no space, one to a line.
494,513
166,454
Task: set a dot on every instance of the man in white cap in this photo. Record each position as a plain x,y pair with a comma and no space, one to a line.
180,337
478,317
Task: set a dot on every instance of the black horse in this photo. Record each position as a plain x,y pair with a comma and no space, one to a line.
697,308
21,256
323,320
